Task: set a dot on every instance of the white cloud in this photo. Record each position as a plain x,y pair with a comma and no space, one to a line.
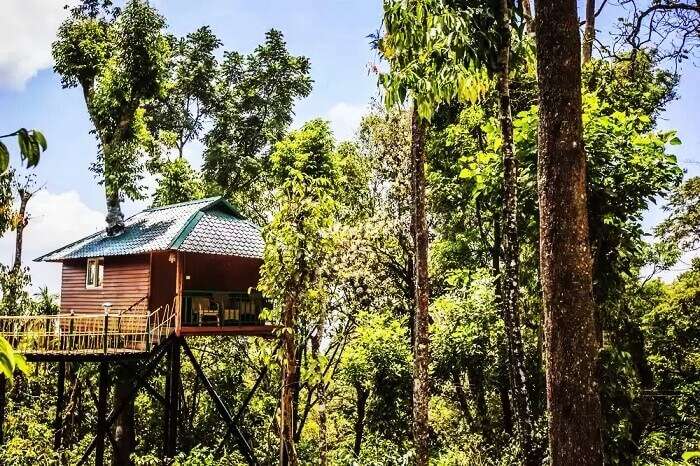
345,119
27,28
56,220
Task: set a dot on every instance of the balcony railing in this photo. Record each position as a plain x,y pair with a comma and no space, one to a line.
221,308
131,331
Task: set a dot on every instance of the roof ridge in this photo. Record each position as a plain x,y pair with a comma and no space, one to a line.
207,200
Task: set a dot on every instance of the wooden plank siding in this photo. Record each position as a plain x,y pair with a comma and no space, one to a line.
126,280
220,273
162,280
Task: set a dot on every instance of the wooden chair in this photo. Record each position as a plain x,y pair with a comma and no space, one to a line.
206,308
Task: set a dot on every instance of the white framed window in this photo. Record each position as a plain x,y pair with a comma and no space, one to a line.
95,272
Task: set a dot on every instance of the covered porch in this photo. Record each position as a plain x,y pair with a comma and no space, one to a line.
214,294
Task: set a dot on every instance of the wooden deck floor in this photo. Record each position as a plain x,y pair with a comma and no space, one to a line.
253,330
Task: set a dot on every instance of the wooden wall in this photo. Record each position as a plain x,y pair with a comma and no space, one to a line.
162,280
126,280
220,273
129,278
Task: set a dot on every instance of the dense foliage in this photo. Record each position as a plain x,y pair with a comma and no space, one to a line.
339,247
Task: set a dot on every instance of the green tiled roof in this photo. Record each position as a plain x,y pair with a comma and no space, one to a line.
209,226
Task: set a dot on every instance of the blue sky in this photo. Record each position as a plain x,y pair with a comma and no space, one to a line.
331,33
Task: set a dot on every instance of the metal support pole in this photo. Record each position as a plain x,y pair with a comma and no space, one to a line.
60,391
101,414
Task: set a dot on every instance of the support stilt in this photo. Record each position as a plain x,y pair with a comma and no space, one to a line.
60,391
172,399
145,372
242,442
101,414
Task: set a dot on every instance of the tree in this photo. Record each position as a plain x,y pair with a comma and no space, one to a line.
588,32
430,50
31,144
376,364
25,191
297,242
118,58
510,239
565,257
253,107
178,182
669,28
683,223
181,112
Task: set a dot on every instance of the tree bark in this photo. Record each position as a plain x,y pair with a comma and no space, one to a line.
506,411
504,370
321,394
588,32
115,217
462,397
362,395
475,379
24,196
565,258
288,454
527,15
421,351
124,428
511,245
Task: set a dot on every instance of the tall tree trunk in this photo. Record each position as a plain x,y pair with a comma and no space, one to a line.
421,351
288,453
124,428
24,196
527,14
506,412
115,217
321,394
504,370
475,378
565,257
588,32
362,395
462,397
511,246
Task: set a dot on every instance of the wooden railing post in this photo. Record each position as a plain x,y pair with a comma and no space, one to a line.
148,332
71,328
47,332
104,332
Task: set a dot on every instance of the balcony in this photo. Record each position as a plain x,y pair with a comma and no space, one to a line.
223,312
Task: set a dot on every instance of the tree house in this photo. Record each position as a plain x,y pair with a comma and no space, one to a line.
175,272
195,265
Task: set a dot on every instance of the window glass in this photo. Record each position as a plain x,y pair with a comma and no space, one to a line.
100,271
95,273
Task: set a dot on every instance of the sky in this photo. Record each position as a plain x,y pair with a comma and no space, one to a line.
332,33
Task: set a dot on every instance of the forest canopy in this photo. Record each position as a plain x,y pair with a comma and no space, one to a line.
438,297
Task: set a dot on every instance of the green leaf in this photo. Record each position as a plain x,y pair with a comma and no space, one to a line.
39,137
675,141
689,455
4,158
21,364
